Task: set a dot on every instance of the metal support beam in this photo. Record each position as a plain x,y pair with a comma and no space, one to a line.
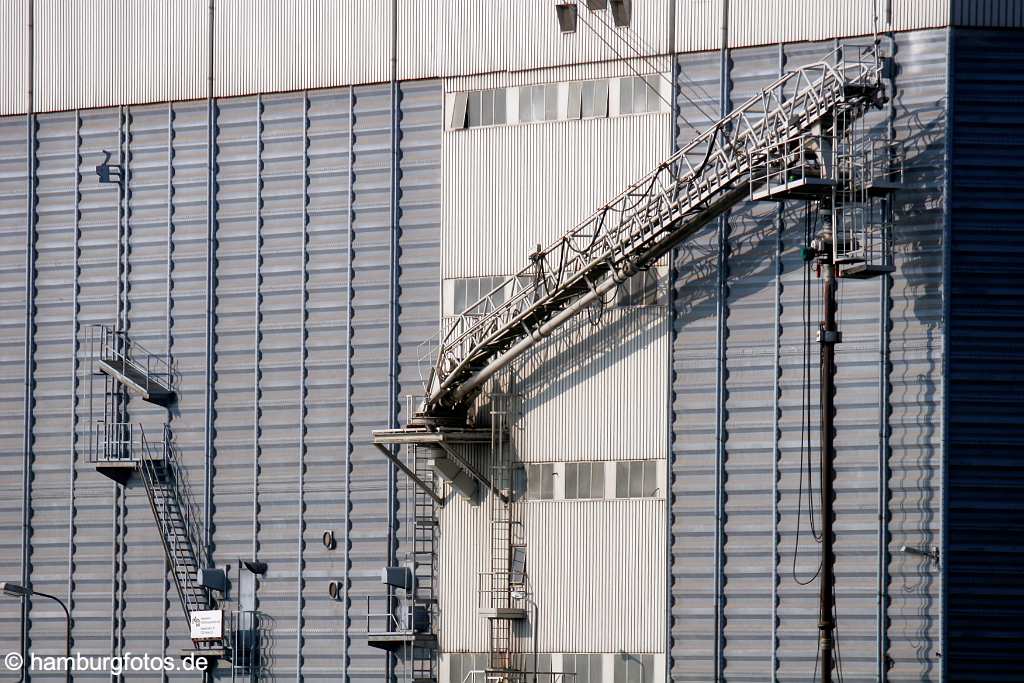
409,473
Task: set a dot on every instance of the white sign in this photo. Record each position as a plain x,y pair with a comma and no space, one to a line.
207,624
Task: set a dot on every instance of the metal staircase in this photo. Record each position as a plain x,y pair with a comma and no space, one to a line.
120,448
783,125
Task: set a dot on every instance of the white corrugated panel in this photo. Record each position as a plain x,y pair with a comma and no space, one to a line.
698,25
597,569
268,45
463,553
14,57
93,53
597,390
914,14
508,188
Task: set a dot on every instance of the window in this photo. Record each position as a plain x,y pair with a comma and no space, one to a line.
636,479
460,665
630,668
588,99
587,668
467,291
584,480
640,94
538,102
643,289
479,108
540,482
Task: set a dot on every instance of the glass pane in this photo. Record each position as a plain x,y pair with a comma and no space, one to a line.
571,478
639,96
650,478
597,480
547,481
459,305
532,482
622,480
474,109
576,105
455,668
625,95
583,485
499,106
588,99
636,479
582,668
601,98
544,662
653,96
487,108
538,102
551,102
647,662
596,669
525,105
620,668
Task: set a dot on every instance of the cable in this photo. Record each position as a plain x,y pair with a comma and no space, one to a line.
647,61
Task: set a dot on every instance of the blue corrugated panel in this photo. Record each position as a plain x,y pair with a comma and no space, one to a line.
986,359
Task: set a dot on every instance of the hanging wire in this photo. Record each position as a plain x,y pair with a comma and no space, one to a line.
805,409
639,54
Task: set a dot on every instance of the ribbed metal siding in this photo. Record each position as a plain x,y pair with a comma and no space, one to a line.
752,563
304,181
990,13
598,573
14,57
986,482
96,53
508,188
596,390
464,553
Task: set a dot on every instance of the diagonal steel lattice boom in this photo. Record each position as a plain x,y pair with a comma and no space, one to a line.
649,218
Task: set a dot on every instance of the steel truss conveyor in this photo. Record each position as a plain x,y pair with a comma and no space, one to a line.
655,214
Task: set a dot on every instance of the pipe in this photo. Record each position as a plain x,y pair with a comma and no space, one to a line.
348,381
302,387
670,392
393,318
720,391
30,261
828,337
210,298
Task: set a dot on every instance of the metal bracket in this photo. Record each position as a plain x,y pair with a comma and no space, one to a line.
932,553
830,337
409,473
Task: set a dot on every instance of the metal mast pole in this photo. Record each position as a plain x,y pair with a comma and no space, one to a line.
828,337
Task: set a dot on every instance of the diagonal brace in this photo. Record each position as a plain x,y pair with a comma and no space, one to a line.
409,473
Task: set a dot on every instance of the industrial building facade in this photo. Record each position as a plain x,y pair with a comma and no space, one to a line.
310,189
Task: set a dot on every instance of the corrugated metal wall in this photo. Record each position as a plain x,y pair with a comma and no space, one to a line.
986,485
741,426
93,53
301,268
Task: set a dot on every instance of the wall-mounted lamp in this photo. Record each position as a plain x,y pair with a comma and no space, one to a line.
328,540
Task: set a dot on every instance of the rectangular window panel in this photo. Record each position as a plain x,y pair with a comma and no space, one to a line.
653,94
538,102
459,304
650,478
601,98
533,482
622,480
636,479
474,109
583,480
499,106
487,108
597,480
596,669
582,663
551,101
587,99
458,119
571,480
625,95
620,668
577,106
547,481
525,105
640,93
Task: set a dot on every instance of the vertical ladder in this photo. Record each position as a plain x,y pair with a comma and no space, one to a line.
506,532
425,525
